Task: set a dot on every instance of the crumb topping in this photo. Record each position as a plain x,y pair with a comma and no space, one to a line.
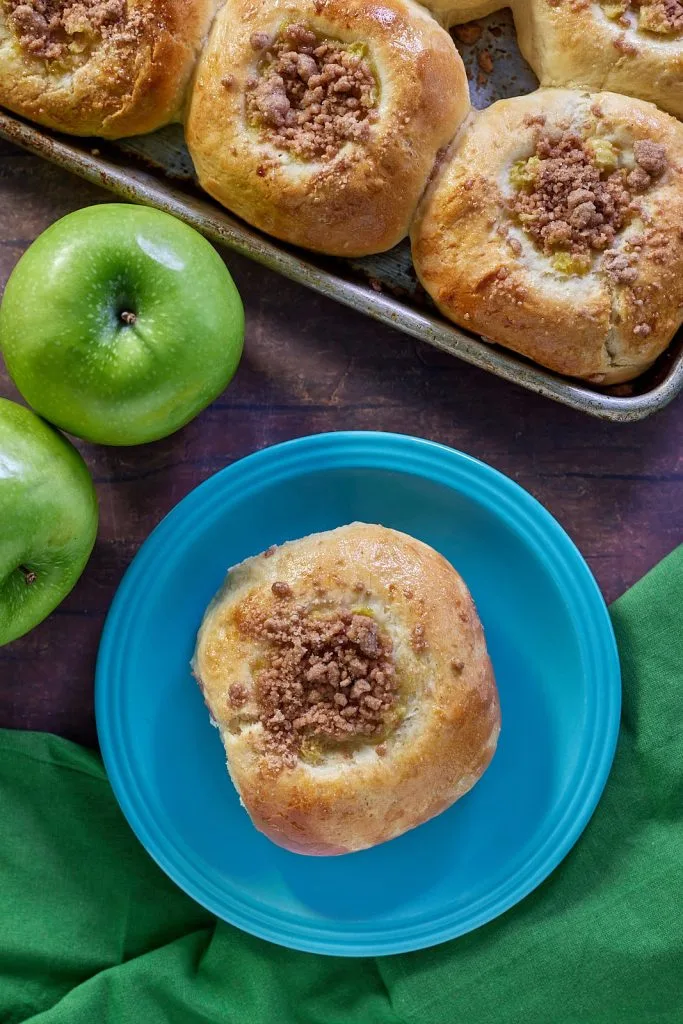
619,266
468,34
310,96
574,195
237,695
485,61
58,29
281,589
418,640
663,17
326,677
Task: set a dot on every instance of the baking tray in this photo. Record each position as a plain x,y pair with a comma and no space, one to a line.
156,170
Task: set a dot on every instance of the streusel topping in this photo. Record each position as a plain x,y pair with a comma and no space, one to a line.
574,195
53,30
310,96
663,17
327,675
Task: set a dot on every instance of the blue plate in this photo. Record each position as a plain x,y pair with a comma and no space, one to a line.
553,651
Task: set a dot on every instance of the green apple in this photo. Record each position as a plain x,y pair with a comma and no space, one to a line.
120,323
48,519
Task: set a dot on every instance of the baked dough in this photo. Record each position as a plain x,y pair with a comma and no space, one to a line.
319,121
347,673
457,12
555,228
100,67
629,46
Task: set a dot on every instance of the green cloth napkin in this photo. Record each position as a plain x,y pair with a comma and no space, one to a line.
91,931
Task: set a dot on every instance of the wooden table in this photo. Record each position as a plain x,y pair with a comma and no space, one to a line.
311,365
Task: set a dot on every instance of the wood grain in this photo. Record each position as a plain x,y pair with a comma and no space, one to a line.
311,365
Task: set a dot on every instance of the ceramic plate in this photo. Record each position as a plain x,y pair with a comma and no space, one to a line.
553,651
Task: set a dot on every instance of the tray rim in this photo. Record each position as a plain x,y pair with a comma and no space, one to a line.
146,188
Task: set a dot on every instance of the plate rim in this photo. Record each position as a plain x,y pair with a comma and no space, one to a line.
412,455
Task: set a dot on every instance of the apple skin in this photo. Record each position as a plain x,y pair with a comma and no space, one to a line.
101,376
48,512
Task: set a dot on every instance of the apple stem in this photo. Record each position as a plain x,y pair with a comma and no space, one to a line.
128,317
29,575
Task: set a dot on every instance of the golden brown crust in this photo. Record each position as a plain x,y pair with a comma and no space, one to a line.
129,80
484,272
362,200
575,43
457,12
451,719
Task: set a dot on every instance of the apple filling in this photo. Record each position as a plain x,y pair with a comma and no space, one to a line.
573,195
310,95
664,17
327,678
58,30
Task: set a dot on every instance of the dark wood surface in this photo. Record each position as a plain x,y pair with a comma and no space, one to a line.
309,366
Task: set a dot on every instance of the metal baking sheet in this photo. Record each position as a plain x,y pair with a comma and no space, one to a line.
156,170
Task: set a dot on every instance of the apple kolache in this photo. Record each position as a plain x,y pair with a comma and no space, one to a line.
111,68
348,675
628,46
543,226
320,122
555,227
